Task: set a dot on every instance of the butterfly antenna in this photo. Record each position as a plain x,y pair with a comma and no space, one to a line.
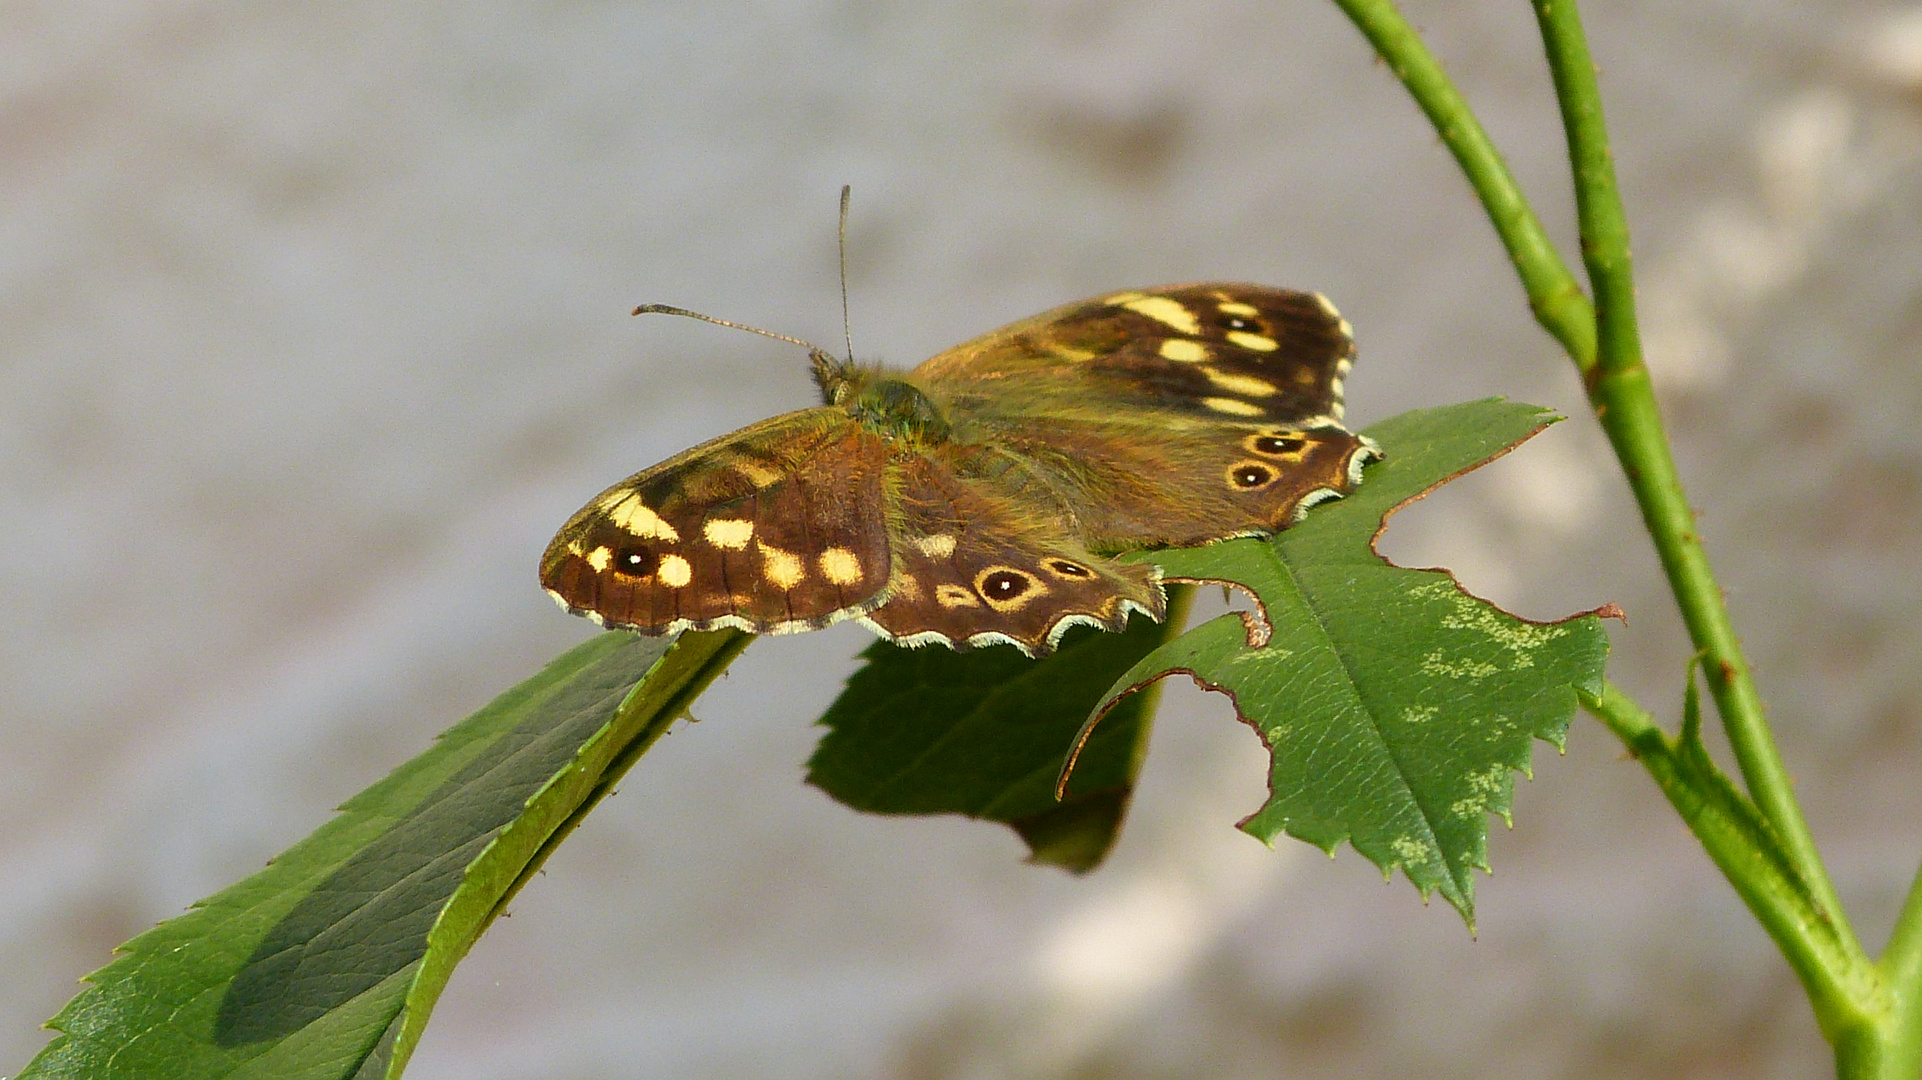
847,328
668,309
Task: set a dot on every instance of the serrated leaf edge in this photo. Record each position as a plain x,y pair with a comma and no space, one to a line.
1258,631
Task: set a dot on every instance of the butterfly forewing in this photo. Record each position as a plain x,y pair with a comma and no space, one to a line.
1179,415
774,529
1230,352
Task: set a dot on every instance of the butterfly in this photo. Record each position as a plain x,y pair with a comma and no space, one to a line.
983,496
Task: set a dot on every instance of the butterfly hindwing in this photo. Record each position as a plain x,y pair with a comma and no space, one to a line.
777,528
971,567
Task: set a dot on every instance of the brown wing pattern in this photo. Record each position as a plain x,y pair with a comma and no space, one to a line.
1175,416
971,569
1168,416
1219,351
1140,487
774,529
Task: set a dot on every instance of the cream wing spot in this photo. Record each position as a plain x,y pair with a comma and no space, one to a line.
905,587
1245,385
1253,341
633,515
757,474
1166,311
1235,307
840,566
782,569
1231,407
730,533
938,546
1184,351
1328,308
950,595
600,558
674,571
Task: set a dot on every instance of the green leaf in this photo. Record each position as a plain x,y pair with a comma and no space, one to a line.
1394,704
984,733
327,963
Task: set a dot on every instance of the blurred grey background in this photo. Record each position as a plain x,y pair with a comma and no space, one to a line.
313,328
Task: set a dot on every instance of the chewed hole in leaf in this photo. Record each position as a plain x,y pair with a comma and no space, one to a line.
1470,525
1395,705
1217,598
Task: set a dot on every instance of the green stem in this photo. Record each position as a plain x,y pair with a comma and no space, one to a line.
1901,966
1871,1013
1902,959
1839,979
1624,403
1553,293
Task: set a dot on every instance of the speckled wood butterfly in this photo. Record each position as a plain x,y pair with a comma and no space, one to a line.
980,497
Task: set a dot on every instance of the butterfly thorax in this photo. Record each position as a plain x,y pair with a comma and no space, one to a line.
881,401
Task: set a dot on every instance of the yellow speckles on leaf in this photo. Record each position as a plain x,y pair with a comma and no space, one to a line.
1245,385
1184,351
938,546
1521,639
1253,341
950,595
633,515
1410,850
1231,406
1419,714
600,559
1235,307
730,533
840,566
1165,311
1436,664
782,569
674,571
757,473
1486,791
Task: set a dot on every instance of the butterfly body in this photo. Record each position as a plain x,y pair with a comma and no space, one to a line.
980,497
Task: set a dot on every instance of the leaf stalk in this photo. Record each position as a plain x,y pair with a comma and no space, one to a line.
1848,994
